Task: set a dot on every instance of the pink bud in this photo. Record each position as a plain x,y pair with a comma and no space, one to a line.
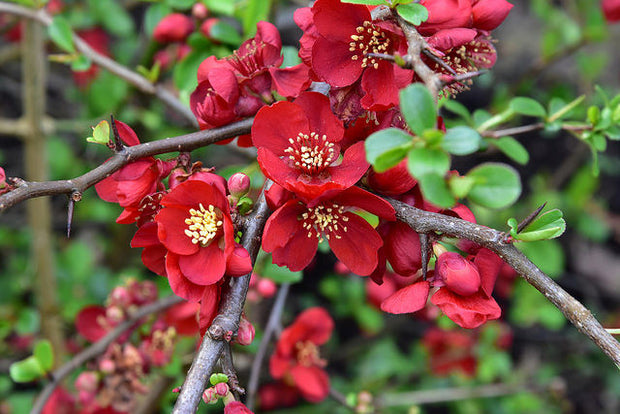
114,314
107,366
266,288
173,28
246,332
239,262
458,274
221,389
238,185
200,11
210,396
119,297
205,27
87,381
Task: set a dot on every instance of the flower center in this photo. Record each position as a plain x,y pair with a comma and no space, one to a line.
369,39
322,219
311,153
248,59
308,354
203,224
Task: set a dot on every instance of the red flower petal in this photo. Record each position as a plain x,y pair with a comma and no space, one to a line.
87,323
338,21
289,82
312,382
489,264
357,197
179,283
317,325
205,267
281,225
127,135
357,247
171,230
298,251
193,192
467,311
270,131
402,249
409,299
239,262
352,167
320,117
488,14
331,61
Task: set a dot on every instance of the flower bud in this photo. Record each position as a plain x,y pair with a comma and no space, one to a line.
173,28
87,381
221,389
458,274
119,297
107,366
238,185
246,332
266,288
210,396
200,11
114,315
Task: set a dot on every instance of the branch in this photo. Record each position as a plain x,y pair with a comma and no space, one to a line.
272,324
78,185
227,319
105,62
100,347
425,222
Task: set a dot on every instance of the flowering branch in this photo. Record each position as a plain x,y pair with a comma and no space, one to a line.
424,222
74,187
227,320
111,65
99,347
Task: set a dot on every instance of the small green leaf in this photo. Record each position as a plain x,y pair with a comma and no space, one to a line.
594,115
414,13
226,7
26,370
512,149
225,33
546,226
435,190
461,140
280,274
513,224
44,355
387,147
460,185
253,12
245,204
61,34
527,106
218,378
457,108
101,133
497,185
422,161
418,108
81,63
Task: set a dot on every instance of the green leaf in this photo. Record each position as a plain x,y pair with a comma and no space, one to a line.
154,14
387,147
291,56
280,274
184,73
370,2
113,16
435,190
81,63
101,133
418,108
514,225
530,307
225,33
26,370
226,7
180,4
559,112
547,226
422,161
527,106
414,13
460,186
461,140
512,149
497,185
61,34
253,12
44,354
457,108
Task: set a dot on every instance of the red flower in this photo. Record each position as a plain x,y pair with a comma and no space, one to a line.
445,14
450,351
488,14
456,296
174,27
292,233
611,10
132,183
276,395
184,318
99,40
195,227
297,359
345,34
301,154
236,407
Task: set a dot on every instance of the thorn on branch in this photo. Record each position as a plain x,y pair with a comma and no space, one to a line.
439,61
73,198
526,221
449,79
118,144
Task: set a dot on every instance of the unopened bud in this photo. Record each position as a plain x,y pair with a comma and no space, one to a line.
114,314
107,366
246,332
458,274
266,288
200,11
87,381
238,185
210,396
173,28
221,389
120,297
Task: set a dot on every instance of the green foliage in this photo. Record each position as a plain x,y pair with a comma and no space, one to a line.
527,106
511,148
61,34
418,108
101,133
253,12
279,274
414,13
496,185
113,16
368,2
530,307
35,366
548,225
386,148
461,140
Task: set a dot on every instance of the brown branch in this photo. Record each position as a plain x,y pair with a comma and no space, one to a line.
188,142
100,347
227,319
425,222
137,80
228,369
272,324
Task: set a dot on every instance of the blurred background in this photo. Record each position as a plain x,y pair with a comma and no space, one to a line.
530,361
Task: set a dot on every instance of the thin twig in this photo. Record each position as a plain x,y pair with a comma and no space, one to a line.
272,324
228,368
227,319
79,184
424,222
100,347
105,62
340,398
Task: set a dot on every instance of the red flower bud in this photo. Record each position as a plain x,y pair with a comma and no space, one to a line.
205,27
266,288
458,274
611,10
238,185
107,366
87,381
246,332
173,28
210,396
200,11
221,389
